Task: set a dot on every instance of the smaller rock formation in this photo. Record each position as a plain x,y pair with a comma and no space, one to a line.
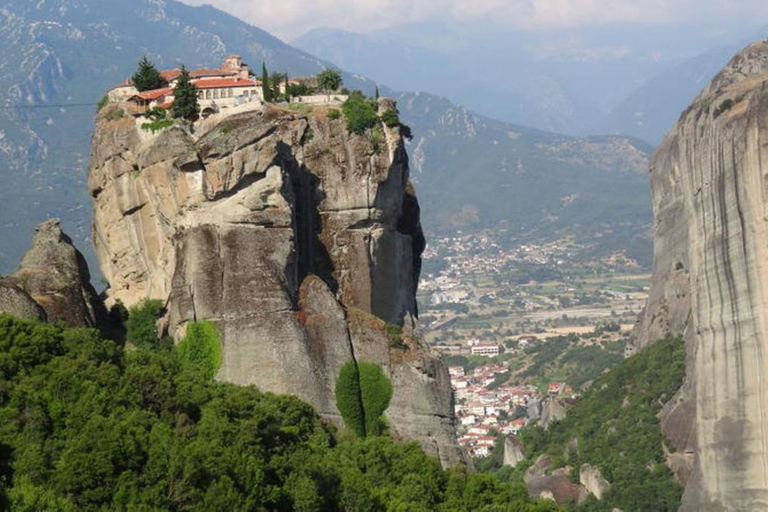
544,482
15,301
513,451
552,410
55,275
592,480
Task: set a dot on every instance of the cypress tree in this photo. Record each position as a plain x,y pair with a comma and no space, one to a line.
185,103
147,77
265,89
287,89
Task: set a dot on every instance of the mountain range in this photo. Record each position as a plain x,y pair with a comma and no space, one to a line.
580,81
62,56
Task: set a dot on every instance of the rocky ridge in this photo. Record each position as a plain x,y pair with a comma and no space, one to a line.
710,285
299,241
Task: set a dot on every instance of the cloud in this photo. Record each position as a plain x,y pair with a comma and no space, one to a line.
290,18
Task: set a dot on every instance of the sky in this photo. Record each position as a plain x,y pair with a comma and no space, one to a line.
289,19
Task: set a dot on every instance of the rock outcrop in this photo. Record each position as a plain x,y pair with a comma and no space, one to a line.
710,285
555,484
55,275
15,301
593,481
552,409
514,452
299,241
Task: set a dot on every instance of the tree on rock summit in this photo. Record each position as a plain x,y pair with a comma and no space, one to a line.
147,77
185,103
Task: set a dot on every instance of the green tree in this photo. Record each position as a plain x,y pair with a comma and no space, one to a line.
360,113
185,104
376,393
266,90
141,326
287,89
349,400
329,80
363,393
147,77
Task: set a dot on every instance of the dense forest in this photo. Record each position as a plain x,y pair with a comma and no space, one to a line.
88,423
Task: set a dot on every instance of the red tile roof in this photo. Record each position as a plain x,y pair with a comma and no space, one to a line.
155,94
226,83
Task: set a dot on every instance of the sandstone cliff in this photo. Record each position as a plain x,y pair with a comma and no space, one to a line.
709,181
299,241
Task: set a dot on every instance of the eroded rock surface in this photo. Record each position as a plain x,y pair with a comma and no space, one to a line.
55,275
16,302
710,285
514,452
299,241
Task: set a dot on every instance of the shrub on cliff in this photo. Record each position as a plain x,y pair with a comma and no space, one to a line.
200,350
141,326
363,393
360,113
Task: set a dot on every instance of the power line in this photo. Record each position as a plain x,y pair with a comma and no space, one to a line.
61,105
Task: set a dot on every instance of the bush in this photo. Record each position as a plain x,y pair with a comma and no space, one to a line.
360,113
376,393
333,114
157,126
141,326
114,114
102,102
390,118
200,350
349,400
395,335
363,393
724,107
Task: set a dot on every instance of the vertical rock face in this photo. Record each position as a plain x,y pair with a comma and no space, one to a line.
55,275
298,240
710,284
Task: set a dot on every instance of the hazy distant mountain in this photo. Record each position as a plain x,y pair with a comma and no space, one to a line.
70,52
564,81
651,111
473,172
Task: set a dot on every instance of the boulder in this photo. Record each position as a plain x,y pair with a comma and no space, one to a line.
56,277
16,302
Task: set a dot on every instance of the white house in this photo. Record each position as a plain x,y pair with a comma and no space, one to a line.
486,350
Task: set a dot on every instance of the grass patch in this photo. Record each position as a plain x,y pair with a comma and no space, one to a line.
115,114
157,126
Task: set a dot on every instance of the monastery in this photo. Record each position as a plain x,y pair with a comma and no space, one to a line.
228,86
